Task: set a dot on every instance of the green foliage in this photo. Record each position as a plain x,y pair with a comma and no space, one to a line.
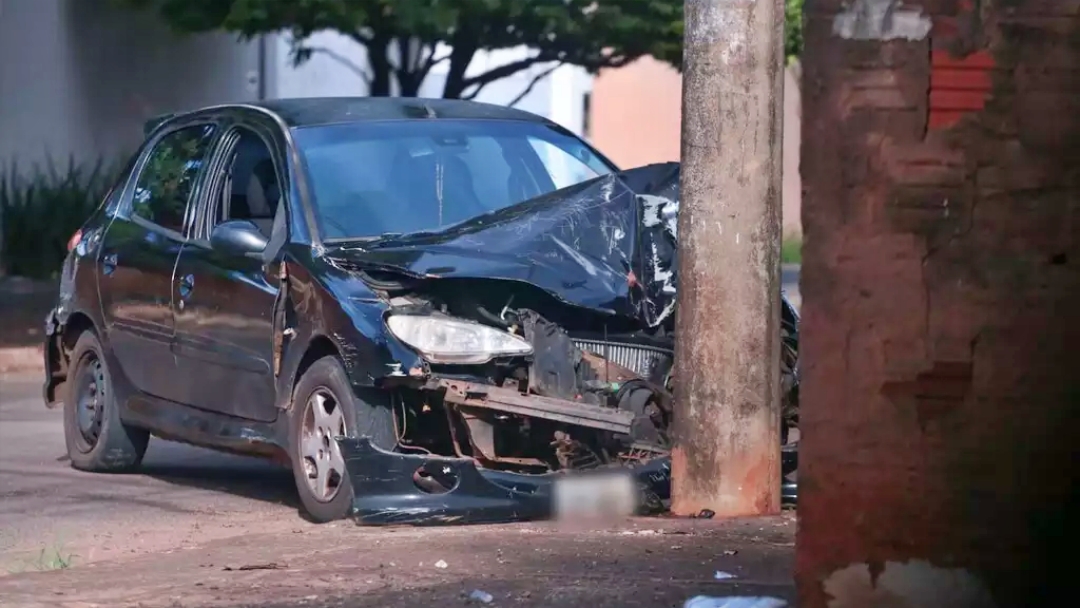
791,250
793,28
402,36
40,210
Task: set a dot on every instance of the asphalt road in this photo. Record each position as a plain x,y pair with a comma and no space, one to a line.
183,495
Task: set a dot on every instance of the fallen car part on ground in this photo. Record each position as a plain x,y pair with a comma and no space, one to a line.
577,288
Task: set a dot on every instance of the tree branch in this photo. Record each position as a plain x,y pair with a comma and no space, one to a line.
343,60
505,70
432,61
536,79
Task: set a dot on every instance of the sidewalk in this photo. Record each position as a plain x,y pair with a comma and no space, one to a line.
638,563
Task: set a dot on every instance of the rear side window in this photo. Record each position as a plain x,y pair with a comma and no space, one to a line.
165,184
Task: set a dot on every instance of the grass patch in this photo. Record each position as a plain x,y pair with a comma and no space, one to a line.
47,561
54,559
791,250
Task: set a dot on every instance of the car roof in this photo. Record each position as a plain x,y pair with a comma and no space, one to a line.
302,112
311,111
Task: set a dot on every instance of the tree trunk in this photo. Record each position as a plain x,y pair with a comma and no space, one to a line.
408,84
381,70
460,59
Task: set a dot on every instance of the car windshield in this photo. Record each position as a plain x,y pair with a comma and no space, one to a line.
372,179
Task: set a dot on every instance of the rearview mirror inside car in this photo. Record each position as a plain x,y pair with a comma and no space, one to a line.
240,237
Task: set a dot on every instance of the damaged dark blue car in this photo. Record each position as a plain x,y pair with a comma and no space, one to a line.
433,311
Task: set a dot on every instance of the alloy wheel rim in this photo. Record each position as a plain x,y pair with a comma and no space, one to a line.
322,461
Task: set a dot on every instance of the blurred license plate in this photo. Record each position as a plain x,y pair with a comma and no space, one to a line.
596,495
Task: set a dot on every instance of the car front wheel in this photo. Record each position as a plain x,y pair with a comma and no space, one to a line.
326,407
96,438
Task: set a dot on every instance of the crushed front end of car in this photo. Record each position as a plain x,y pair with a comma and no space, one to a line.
546,332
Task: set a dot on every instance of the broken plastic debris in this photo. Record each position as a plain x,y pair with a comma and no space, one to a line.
245,568
481,596
704,601
723,576
440,564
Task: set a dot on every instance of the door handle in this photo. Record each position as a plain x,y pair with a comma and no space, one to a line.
187,284
108,263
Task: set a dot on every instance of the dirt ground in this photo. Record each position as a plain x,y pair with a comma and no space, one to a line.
639,562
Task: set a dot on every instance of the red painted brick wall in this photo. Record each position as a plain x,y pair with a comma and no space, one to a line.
941,305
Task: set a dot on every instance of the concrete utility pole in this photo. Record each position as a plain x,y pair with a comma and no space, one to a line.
726,455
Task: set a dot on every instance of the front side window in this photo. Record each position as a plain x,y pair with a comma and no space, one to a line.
251,189
164,186
395,177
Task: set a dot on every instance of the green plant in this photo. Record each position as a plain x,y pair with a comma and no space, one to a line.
791,250
793,28
54,560
47,560
42,208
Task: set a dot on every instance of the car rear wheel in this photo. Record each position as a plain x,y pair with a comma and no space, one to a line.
325,407
96,438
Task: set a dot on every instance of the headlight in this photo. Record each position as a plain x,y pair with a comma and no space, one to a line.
444,340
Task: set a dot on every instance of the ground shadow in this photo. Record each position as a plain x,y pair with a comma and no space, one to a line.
204,469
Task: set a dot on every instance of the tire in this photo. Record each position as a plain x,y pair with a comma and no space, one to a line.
643,429
325,385
98,441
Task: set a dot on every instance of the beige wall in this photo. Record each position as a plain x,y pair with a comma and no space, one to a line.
635,118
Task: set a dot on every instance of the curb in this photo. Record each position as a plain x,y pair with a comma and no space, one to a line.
22,359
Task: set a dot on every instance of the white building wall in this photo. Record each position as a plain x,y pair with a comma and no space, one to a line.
79,77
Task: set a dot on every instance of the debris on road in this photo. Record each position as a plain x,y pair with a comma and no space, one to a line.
703,601
651,532
723,576
481,596
270,566
441,565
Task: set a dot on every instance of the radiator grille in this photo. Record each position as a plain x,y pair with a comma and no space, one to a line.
646,361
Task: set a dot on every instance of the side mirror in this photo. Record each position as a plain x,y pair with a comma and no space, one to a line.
239,237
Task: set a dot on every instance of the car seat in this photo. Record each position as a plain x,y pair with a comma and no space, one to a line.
417,178
263,196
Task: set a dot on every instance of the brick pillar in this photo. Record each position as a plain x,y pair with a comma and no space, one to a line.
941,301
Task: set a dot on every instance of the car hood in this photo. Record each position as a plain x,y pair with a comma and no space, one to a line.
607,244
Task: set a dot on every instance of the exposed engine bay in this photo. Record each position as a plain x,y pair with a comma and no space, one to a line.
594,392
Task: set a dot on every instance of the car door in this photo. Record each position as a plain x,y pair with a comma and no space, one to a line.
225,302
138,254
